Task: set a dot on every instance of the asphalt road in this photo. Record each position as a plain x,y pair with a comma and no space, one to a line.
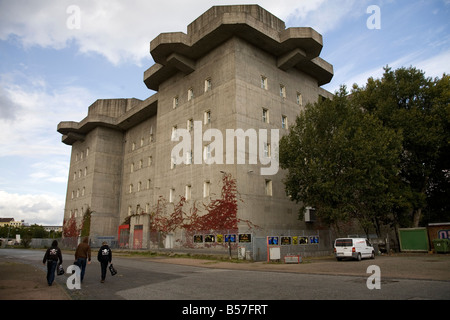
147,279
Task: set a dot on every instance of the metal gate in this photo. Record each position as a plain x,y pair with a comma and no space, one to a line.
260,248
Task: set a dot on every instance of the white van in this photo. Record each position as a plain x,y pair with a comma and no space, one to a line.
356,248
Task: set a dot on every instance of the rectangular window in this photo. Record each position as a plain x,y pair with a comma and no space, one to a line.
171,195
190,94
207,84
264,82
207,117
282,91
265,115
175,102
207,152
190,125
267,150
189,157
206,186
174,135
299,99
284,123
188,192
268,187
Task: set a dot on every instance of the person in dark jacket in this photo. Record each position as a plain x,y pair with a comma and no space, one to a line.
82,254
52,255
104,256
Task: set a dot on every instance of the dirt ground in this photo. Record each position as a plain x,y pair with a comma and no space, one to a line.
19,281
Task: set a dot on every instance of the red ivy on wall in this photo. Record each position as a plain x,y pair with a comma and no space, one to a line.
70,228
221,214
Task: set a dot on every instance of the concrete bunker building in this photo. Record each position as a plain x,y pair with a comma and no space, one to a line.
237,67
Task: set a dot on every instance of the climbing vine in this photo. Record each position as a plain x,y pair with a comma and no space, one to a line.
70,229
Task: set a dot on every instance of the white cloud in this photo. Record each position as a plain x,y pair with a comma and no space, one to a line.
36,208
122,30
33,112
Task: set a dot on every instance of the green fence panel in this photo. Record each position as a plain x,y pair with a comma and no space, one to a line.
414,239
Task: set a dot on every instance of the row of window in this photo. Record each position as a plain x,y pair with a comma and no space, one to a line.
140,164
190,93
188,196
82,154
139,186
78,193
282,90
80,173
76,213
264,85
151,139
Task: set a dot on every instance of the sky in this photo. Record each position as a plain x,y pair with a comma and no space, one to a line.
58,56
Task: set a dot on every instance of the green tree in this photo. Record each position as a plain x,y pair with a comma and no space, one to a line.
418,107
341,161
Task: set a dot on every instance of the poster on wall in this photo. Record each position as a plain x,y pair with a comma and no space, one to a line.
272,241
303,240
245,237
294,240
230,238
198,238
209,238
285,241
219,238
314,239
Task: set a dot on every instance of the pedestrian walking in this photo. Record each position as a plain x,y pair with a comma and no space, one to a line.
104,256
52,256
83,254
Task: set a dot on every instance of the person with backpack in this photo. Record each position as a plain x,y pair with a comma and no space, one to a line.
52,256
104,256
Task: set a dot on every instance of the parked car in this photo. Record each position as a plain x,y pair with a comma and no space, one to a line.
355,248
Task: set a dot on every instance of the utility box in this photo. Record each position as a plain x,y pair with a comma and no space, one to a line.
441,245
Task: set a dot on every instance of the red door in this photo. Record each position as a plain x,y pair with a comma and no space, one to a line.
137,238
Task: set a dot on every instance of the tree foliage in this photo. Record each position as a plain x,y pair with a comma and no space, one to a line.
418,107
379,155
340,160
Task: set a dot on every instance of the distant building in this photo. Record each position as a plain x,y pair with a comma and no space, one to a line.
11,222
53,228
238,67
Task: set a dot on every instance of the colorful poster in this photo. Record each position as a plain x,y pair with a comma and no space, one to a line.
230,238
272,241
198,238
303,240
314,239
285,241
245,237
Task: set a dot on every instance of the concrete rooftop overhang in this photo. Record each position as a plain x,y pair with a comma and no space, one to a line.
76,131
294,47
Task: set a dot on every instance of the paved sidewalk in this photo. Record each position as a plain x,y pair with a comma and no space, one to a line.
401,266
21,281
